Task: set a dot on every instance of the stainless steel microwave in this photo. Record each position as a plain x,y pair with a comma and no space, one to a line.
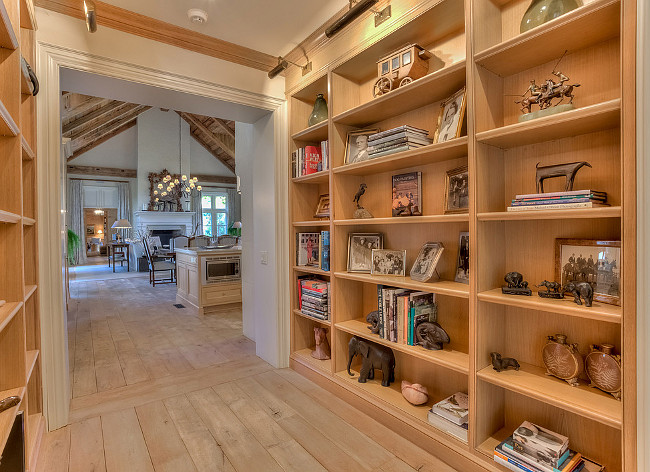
222,269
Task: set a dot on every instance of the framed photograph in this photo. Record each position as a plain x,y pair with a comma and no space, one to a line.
90,229
595,262
323,208
307,249
462,264
457,190
388,262
360,247
450,120
424,266
356,147
407,194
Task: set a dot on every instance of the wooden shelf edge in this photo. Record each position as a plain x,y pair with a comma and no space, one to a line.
443,287
8,126
8,217
317,177
311,223
441,358
570,213
315,130
8,38
303,356
30,361
556,393
27,15
29,291
28,153
7,417
7,313
311,318
451,218
311,270
28,221
565,306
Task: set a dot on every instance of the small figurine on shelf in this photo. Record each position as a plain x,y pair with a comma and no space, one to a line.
322,351
580,289
431,336
373,319
400,68
319,113
552,290
361,213
604,369
516,285
415,393
567,171
502,363
563,360
373,356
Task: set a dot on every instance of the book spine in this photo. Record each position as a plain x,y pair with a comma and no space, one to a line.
554,202
510,463
399,129
380,306
557,206
403,148
560,194
325,254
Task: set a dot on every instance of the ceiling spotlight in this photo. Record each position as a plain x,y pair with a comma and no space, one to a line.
197,16
283,64
353,13
91,15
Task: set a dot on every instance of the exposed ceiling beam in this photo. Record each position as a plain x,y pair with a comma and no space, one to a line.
199,139
116,120
150,28
192,120
216,179
103,171
224,126
102,139
94,116
75,111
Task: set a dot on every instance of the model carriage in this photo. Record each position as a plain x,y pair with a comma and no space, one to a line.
400,68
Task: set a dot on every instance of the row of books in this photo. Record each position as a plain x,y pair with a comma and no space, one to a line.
314,297
310,159
532,448
400,311
559,200
451,415
313,250
402,138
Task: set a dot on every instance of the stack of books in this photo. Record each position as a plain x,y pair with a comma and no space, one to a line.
402,138
314,297
532,448
310,159
451,415
401,311
313,250
559,200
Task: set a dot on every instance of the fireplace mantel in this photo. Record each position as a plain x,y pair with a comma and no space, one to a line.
149,220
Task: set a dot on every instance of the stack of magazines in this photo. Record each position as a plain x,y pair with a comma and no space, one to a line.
402,138
559,200
451,415
532,448
314,297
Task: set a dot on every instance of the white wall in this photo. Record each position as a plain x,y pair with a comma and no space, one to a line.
120,152
202,162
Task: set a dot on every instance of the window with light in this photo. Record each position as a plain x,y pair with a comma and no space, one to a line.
215,214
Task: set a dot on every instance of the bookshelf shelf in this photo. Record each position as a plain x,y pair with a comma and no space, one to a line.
315,133
603,212
314,223
27,15
454,360
443,287
28,153
435,86
28,221
598,311
8,126
311,318
7,313
30,362
580,28
7,417
584,120
29,291
304,357
431,154
404,220
311,270
487,447
315,178
8,217
532,381
8,38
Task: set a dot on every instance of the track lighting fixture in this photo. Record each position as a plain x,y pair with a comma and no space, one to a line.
91,15
283,64
357,8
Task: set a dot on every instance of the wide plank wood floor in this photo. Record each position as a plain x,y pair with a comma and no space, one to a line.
157,388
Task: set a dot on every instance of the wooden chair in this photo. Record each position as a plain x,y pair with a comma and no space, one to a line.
156,265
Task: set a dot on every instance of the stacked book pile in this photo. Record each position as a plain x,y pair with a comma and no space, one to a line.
402,138
559,200
313,250
532,448
451,415
310,159
400,311
314,297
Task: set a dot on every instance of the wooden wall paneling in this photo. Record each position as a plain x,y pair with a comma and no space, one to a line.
10,82
11,284
10,168
9,23
30,254
12,361
29,187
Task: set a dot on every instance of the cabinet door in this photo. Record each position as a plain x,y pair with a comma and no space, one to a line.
92,197
182,275
193,284
109,197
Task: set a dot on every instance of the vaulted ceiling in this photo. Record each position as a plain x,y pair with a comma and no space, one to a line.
90,121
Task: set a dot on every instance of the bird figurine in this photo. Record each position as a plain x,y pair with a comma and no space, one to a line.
359,194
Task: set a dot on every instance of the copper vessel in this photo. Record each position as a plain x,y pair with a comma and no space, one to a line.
604,369
563,360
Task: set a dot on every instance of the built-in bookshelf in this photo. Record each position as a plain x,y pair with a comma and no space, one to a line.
20,328
478,45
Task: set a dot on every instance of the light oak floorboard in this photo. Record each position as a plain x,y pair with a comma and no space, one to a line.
124,445
87,446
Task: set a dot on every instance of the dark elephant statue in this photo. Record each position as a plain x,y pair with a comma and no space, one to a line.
514,279
431,336
580,289
373,319
374,356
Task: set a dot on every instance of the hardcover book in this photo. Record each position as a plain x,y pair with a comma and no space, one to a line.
454,408
325,251
407,194
307,249
312,160
536,441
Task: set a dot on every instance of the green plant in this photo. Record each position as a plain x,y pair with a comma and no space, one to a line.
234,231
74,242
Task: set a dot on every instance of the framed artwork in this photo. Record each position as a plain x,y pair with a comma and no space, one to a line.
360,247
450,120
356,146
90,229
457,190
596,262
424,266
462,263
323,208
388,262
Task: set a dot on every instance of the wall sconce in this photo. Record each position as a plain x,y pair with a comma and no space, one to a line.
91,15
358,8
283,64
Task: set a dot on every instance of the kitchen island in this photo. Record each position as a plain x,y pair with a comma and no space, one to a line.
208,278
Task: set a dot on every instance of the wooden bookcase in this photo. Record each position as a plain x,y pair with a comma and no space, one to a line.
20,329
478,45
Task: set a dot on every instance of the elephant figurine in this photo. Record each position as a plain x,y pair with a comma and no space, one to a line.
514,279
374,356
580,289
431,336
373,319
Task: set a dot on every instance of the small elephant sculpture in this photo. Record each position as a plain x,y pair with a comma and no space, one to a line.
431,336
502,363
514,279
580,289
322,351
374,356
554,286
373,319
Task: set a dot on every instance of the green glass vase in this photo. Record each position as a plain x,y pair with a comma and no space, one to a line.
541,11
319,113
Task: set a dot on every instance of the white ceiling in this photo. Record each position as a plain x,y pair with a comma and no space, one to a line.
274,27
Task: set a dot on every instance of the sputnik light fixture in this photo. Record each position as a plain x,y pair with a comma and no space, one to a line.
91,15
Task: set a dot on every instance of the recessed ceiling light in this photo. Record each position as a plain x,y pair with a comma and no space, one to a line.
197,16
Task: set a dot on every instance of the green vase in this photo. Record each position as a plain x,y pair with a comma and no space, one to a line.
541,11
319,112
